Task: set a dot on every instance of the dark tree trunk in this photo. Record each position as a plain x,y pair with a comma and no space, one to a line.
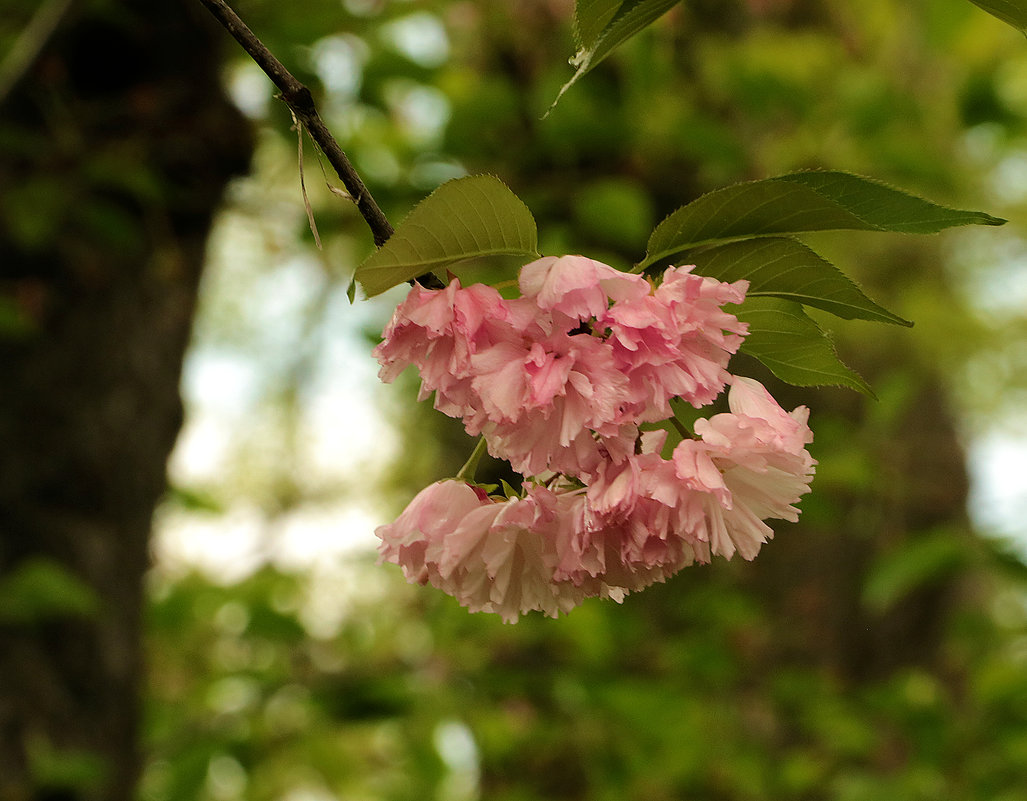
119,145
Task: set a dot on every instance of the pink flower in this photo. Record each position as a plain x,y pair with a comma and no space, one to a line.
759,452
558,382
433,513
625,532
439,331
552,404
502,559
575,288
491,555
675,342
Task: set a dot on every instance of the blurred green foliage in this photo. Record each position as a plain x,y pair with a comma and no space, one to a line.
674,695
875,651
42,589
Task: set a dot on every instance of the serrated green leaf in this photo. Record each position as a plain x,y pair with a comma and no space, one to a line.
626,20
591,17
804,201
785,268
464,218
793,347
1013,12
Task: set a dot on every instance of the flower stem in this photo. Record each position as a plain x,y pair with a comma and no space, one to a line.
684,432
471,465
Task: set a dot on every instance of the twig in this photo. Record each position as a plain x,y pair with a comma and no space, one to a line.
30,43
298,98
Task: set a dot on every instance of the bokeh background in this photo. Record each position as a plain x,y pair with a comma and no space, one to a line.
877,649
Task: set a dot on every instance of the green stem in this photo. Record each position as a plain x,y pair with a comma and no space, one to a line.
471,465
684,432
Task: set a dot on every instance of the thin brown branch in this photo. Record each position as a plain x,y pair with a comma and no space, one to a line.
298,98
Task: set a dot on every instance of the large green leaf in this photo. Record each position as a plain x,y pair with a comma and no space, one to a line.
464,218
783,267
1012,11
793,346
602,25
804,201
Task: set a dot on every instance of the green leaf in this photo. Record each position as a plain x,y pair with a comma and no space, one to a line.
917,562
41,589
464,218
793,346
600,28
193,500
591,17
804,201
1013,12
785,268
65,768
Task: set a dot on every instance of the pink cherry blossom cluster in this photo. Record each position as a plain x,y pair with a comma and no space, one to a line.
558,382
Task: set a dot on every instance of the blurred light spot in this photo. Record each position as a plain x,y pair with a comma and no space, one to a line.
429,174
998,497
232,618
455,745
311,534
288,709
343,433
983,142
379,164
308,794
364,8
232,695
335,589
227,548
202,451
250,89
421,37
282,296
222,380
1009,178
226,778
339,63
421,112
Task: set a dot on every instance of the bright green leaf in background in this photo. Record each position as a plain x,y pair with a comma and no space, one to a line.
783,267
804,201
793,346
1013,12
464,218
601,25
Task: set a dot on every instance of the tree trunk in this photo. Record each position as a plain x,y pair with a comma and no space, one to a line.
119,143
